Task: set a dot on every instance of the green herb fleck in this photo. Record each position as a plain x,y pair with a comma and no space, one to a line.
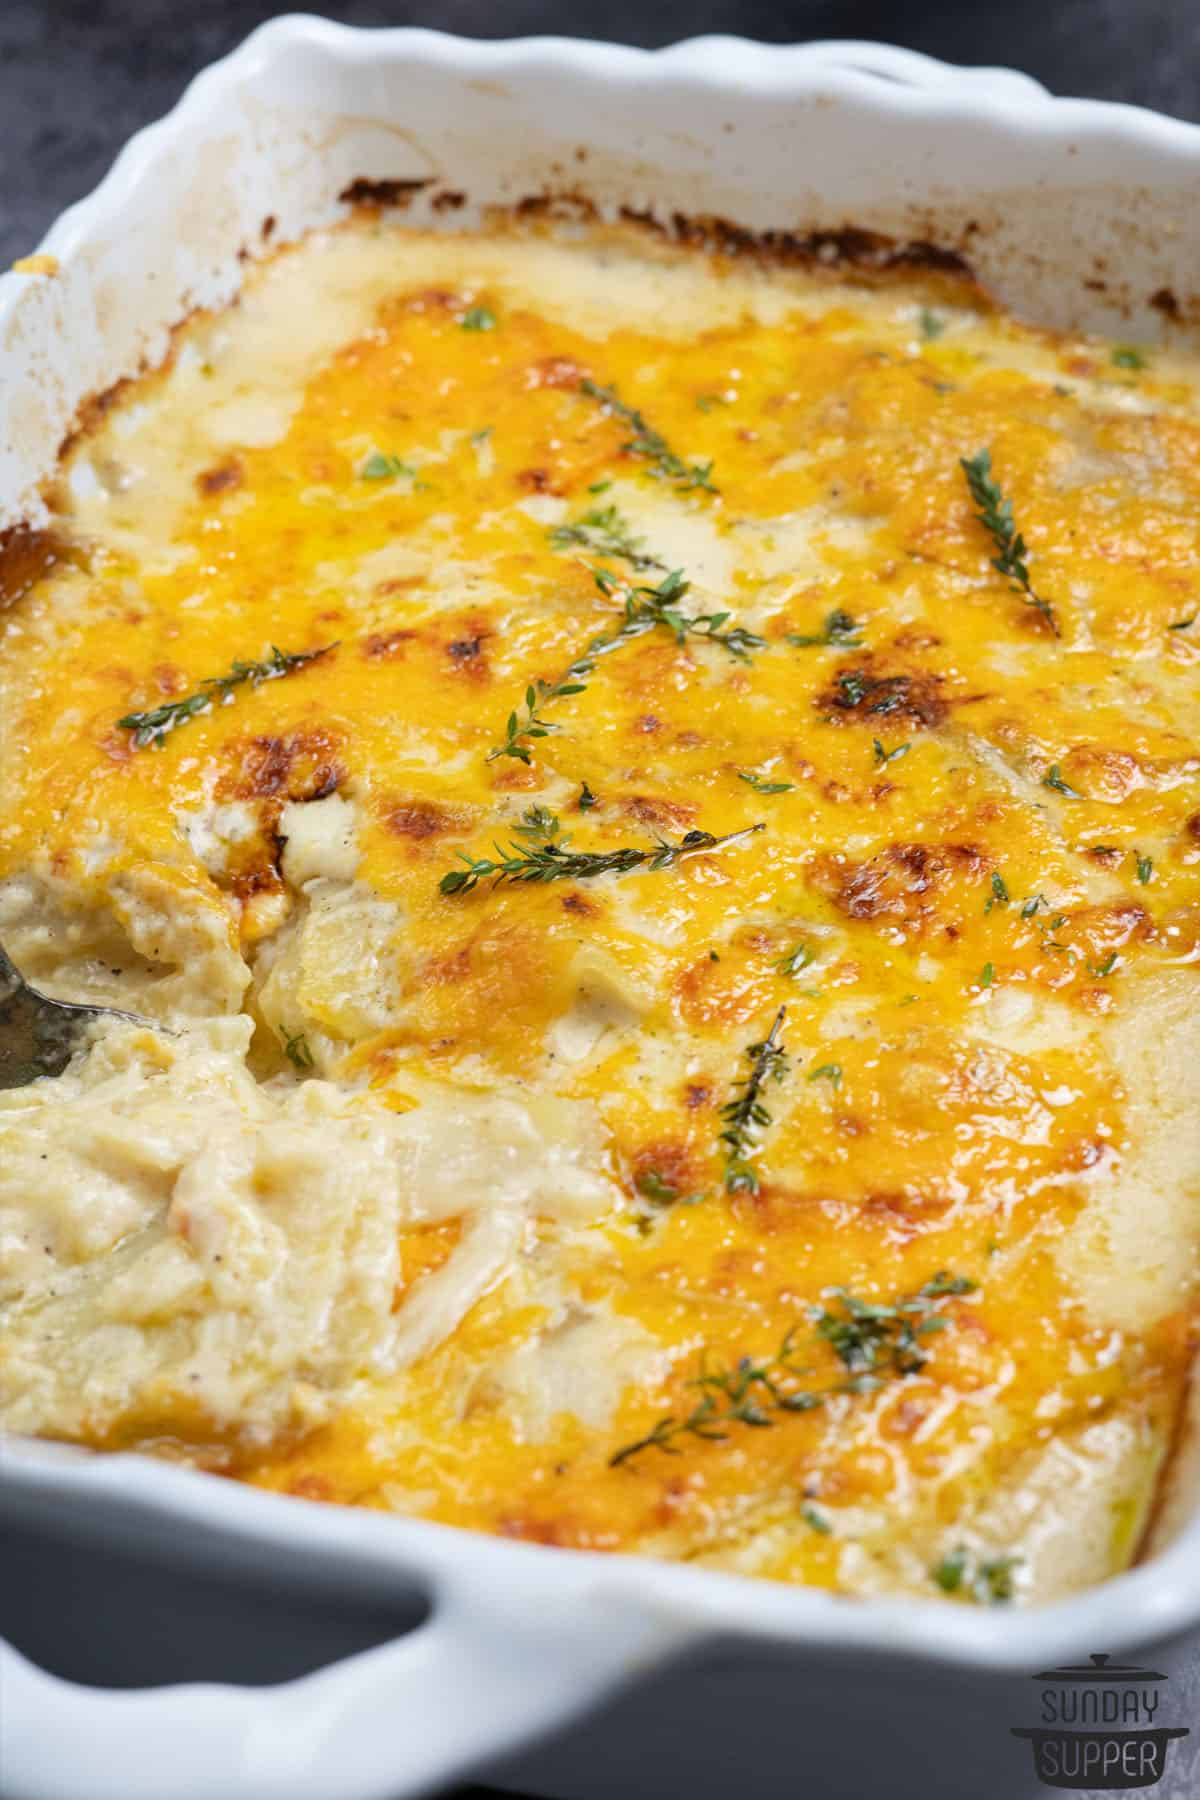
297,1051
950,1571
1053,778
586,799
478,318
1127,356
654,1187
1100,970
932,324
841,632
831,1072
801,957
994,1583
987,975
153,727
1145,868
818,1521
1000,895
883,757
995,514
988,1581
380,466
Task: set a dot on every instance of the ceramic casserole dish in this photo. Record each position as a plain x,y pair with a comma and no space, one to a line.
416,1653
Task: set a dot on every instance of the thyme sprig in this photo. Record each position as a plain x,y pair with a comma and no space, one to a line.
869,1338
872,1342
544,855
154,726
746,1115
646,609
604,531
650,445
995,514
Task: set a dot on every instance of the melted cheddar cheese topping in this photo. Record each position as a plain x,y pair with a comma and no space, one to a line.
851,1167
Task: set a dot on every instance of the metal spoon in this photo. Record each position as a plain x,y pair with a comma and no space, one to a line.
39,1036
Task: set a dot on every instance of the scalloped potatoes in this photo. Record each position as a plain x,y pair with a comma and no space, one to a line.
483,1199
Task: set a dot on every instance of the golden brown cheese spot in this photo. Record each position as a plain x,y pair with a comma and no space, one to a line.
909,882
418,819
859,693
221,478
300,765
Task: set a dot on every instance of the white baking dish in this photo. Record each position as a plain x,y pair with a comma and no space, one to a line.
1075,213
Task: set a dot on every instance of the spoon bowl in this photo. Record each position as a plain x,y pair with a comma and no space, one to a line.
39,1036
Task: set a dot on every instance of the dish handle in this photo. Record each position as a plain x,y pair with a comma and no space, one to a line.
483,1675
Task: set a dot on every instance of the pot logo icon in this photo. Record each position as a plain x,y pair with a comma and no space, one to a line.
1100,1727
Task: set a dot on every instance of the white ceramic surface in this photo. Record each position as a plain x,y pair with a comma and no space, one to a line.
1074,212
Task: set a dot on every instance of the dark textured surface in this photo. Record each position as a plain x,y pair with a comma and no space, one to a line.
77,77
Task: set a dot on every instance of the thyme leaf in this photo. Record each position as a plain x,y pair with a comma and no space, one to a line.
995,514
762,786
1053,778
745,1115
382,466
796,959
544,855
989,1580
830,1072
478,318
650,445
154,726
840,632
296,1049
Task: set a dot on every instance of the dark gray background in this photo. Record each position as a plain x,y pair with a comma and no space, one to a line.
78,76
